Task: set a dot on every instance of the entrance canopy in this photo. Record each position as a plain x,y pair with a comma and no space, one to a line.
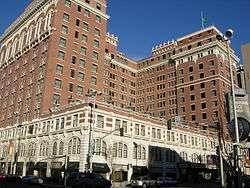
101,168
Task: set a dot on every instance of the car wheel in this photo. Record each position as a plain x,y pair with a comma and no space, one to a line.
144,185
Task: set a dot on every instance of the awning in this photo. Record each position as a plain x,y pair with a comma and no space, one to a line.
73,166
40,165
141,170
100,168
56,165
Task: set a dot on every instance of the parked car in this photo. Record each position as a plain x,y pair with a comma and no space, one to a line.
245,181
144,182
12,179
87,180
2,177
32,180
166,181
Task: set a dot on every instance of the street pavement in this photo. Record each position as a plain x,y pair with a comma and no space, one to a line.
20,185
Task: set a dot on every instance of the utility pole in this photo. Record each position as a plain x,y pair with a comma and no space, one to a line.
92,94
226,39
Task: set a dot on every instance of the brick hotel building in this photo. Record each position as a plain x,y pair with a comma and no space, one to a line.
58,50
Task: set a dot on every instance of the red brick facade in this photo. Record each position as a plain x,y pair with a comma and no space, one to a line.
74,53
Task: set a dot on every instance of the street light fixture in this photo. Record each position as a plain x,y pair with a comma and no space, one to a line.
228,35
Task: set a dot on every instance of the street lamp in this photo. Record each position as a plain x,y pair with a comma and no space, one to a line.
91,94
228,35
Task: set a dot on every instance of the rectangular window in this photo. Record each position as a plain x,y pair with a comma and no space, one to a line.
97,32
191,69
93,80
203,95
83,50
193,107
192,97
202,85
67,3
153,133
59,69
159,133
96,43
85,26
203,105
73,60
71,87
58,84
214,103
137,127
72,73
98,6
78,22
82,63
204,115
75,120
56,99
213,83
65,17
79,8
79,90
98,19
100,121
87,13
81,76
76,34
61,55
62,42
62,123
94,68
95,56
202,75
213,93
117,124
84,38
143,131
64,29
201,66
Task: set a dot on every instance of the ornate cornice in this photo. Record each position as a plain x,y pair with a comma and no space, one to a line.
28,12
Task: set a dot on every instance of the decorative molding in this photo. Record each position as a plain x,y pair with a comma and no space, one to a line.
32,9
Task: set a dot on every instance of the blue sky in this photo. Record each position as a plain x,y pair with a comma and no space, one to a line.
141,24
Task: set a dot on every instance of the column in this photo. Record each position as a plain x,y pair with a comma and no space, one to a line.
24,168
130,171
48,171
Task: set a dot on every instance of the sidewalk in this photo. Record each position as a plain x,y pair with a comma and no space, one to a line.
119,184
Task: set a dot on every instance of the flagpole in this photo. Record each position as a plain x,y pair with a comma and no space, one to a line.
202,20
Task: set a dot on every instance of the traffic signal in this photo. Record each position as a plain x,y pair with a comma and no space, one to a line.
121,131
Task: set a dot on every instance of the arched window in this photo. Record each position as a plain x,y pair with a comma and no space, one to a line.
125,151
21,150
120,150
44,149
115,150
4,151
184,156
104,148
61,146
195,158
74,146
32,149
54,150
143,156
70,147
